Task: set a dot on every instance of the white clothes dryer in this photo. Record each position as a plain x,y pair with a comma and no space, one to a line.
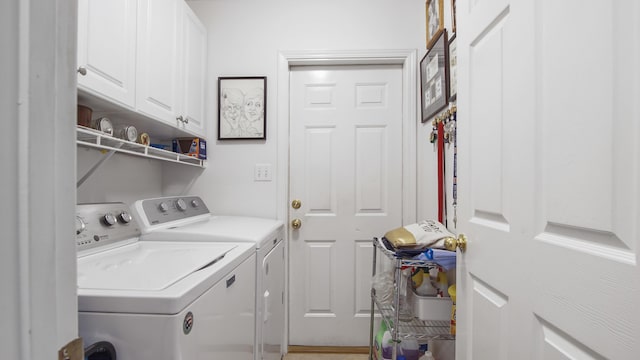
162,219
162,300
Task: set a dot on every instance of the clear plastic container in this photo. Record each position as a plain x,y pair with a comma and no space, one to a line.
387,346
409,348
427,356
426,287
405,306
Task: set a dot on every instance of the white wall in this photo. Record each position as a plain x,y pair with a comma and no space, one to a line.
244,37
120,178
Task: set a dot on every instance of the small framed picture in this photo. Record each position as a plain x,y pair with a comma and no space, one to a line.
242,105
453,65
434,78
453,17
435,21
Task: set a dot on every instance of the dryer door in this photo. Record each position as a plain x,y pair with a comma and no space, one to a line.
270,325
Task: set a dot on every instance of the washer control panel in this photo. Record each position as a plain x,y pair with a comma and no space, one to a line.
103,224
168,209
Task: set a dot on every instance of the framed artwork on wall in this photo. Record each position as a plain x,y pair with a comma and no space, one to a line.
434,78
453,69
453,17
242,105
435,20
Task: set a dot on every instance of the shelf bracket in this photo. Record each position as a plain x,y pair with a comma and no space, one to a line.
97,165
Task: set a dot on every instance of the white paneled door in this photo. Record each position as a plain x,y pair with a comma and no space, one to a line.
346,171
549,172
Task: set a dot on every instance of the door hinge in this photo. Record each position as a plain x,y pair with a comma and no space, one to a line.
72,351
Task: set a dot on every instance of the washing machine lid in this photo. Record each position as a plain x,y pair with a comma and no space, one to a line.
220,228
147,266
184,281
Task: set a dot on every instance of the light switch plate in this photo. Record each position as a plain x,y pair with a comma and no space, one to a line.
262,172
72,351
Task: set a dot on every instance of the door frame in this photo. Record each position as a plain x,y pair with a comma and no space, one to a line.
287,59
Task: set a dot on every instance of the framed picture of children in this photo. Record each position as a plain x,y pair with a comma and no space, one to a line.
435,21
242,108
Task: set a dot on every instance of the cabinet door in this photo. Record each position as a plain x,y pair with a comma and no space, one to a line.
106,49
194,52
157,65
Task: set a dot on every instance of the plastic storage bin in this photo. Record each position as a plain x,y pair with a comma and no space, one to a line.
431,307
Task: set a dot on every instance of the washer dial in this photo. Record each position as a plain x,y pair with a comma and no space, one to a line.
80,225
125,217
109,219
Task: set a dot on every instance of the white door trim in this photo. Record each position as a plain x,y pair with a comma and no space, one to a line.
404,57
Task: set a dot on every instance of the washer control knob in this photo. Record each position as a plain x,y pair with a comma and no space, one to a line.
181,205
80,225
195,203
109,219
163,207
125,217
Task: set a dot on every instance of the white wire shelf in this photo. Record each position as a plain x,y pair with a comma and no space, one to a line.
98,140
421,330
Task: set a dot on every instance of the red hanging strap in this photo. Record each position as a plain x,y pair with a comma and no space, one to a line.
440,144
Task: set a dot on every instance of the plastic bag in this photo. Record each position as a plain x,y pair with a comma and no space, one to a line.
382,283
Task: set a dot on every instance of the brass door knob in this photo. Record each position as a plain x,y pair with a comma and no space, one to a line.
296,204
452,243
296,223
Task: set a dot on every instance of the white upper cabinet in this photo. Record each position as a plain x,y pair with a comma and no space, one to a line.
148,57
106,49
193,59
157,71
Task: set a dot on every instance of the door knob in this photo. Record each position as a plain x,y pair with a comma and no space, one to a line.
296,223
452,243
296,204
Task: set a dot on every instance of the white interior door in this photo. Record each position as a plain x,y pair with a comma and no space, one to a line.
346,169
548,149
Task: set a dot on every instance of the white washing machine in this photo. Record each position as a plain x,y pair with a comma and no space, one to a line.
162,219
165,300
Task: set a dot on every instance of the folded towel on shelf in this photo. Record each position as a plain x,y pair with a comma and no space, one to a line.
445,258
424,234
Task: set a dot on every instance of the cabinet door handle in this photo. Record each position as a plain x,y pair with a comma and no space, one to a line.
82,70
186,120
180,118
